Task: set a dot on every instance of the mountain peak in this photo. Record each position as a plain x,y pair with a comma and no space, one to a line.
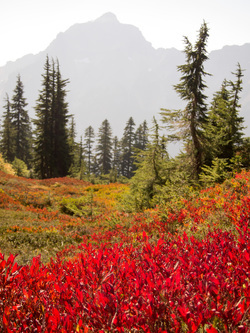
107,17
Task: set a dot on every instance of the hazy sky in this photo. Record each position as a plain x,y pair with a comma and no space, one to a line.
28,26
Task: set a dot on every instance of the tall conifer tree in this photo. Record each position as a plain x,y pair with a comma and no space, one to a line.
127,145
60,118
116,161
104,147
7,133
42,143
152,171
190,121
75,149
141,136
224,126
72,136
21,123
52,149
89,136
235,120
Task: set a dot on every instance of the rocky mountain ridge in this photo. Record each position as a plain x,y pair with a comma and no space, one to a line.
115,73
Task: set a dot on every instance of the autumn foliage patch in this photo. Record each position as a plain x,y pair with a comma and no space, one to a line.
135,272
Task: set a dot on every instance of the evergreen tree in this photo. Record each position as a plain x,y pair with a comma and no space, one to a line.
42,144
216,127
235,120
245,153
224,126
141,136
104,147
74,149
116,162
61,148
88,147
190,121
95,166
81,163
21,123
127,145
7,133
152,171
52,150
72,136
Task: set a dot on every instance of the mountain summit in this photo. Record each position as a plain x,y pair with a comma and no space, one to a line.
107,17
115,73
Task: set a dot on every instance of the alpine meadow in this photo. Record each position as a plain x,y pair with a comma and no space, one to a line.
102,232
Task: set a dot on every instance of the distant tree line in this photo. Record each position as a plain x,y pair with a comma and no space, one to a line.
211,136
102,156
50,149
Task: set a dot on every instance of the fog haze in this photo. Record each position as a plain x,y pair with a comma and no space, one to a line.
116,73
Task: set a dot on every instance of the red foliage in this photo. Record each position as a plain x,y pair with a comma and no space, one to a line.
152,288
177,284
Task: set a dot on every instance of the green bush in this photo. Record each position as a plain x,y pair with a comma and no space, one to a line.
20,168
6,167
82,206
217,173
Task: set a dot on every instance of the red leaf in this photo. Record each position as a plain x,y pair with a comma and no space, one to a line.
247,256
212,330
183,311
5,321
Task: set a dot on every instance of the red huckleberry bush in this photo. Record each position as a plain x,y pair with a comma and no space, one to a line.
132,272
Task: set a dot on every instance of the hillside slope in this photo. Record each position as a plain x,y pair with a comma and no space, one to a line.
182,267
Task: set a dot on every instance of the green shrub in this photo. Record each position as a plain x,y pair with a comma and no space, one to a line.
217,173
20,168
82,206
6,167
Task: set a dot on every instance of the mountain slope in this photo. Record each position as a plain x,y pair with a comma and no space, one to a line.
115,73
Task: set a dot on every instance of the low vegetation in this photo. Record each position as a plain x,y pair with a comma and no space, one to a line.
75,260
